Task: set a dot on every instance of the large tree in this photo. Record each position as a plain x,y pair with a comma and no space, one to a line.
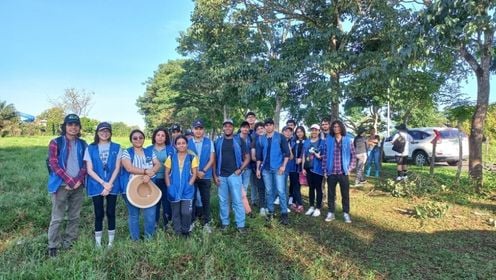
9,120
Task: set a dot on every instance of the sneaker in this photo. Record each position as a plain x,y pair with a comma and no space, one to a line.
293,207
404,178
241,230
263,212
310,211
207,228
284,219
330,217
316,213
52,252
289,211
290,200
191,227
347,218
276,202
399,178
224,227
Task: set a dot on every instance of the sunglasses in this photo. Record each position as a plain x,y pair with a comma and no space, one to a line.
136,138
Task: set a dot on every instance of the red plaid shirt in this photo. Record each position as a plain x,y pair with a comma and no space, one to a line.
54,164
338,158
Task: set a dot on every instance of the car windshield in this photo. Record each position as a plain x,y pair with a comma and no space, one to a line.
450,133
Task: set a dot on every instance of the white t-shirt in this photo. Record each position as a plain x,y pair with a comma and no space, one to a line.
407,138
103,150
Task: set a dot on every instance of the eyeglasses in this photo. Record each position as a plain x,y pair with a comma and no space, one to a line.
138,138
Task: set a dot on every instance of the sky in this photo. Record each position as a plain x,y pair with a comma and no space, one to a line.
108,47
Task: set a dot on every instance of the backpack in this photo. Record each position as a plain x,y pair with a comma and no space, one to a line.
399,144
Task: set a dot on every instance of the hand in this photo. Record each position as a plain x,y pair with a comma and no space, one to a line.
298,160
237,172
150,172
67,187
304,171
146,179
105,192
107,186
200,174
259,176
77,185
217,181
281,170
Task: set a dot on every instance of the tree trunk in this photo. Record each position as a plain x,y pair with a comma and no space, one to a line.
224,111
460,156
335,99
433,157
277,112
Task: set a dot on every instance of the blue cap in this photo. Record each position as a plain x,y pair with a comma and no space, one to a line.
104,125
197,123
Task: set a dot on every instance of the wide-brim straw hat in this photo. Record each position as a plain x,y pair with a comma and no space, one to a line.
141,194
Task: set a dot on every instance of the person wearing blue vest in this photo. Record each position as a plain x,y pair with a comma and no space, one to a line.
181,169
341,160
232,159
161,145
103,161
65,183
137,160
312,168
287,131
204,149
272,156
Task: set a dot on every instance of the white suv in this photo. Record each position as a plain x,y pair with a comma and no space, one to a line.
420,150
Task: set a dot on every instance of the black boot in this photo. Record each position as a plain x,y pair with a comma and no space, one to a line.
284,219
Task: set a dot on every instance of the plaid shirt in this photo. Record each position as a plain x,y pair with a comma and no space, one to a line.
338,158
54,164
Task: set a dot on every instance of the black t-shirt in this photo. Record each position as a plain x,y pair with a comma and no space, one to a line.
228,165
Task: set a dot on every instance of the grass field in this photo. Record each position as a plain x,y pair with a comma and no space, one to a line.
384,241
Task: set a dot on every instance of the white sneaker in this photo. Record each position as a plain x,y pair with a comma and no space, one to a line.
330,217
347,218
289,210
263,212
316,213
310,211
276,202
399,178
405,178
290,200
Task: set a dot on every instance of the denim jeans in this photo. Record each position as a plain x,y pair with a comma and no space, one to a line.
133,219
231,186
374,157
274,183
163,203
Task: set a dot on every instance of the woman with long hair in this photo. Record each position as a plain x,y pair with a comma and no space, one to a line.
312,168
294,175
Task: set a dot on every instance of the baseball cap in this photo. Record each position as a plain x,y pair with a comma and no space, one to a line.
72,118
315,126
250,114
287,127
197,123
228,121
244,123
175,127
104,125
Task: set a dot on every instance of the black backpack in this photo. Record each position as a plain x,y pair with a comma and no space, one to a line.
399,144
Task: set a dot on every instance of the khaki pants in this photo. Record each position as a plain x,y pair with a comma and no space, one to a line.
62,200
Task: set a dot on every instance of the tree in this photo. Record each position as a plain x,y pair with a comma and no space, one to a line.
77,101
51,119
464,32
9,121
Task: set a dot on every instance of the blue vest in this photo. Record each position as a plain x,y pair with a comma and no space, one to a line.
94,188
205,154
179,188
237,153
316,163
54,181
169,151
276,155
345,153
124,178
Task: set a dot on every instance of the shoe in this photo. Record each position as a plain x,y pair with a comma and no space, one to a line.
293,207
284,219
276,202
224,228
289,210
290,200
300,209
52,252
399,178
310,211
191,227
316,213
241,230
263,212
363,181
347,218
207,228
330,217
404,178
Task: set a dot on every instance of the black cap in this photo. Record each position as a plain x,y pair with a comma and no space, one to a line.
287,127
244,123
175,127
250,114
72,118
268,121
188,132
197,123
104,125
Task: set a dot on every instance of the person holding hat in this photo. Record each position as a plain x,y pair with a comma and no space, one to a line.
204,149
65,183
137,160
402,136
312,168
272,156
232,158
361,148
161,145
181,170
103,161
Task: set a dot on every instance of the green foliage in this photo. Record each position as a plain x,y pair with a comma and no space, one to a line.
431,210
52,119
9,121
415,186
88,126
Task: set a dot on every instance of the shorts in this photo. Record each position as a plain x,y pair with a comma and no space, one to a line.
401,160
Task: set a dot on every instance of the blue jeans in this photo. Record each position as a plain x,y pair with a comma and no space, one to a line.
231,185
374,156
275,183
245,177
133,219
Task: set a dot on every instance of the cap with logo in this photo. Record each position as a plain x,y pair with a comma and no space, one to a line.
72,118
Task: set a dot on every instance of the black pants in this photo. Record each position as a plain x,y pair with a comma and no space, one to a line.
100,212
181,216
314,186
294,187
344,185
260,186
203,186
163,203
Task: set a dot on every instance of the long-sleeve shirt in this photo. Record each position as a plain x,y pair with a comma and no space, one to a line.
338,158
54,164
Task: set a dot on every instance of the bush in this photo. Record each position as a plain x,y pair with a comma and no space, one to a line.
431,210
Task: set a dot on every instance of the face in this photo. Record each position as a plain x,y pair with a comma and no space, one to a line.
251,119
314,133
372,131
228,129
269,128
324,126
175,133
198,132
160,138
244,130
104,134
300,134
137,139
292,125
181,145
288,133
260,130
72,129
336,128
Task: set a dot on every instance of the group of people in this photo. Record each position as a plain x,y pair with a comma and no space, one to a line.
256,159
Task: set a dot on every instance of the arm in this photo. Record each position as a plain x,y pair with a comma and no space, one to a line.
167,176
286,153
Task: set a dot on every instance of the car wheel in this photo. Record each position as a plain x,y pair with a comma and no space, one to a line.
420,158
453,163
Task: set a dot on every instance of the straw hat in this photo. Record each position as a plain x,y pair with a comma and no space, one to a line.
142,195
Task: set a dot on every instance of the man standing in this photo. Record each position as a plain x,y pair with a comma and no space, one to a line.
204,149
251,118
401,140
232,159
341,160
272,156
65,183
